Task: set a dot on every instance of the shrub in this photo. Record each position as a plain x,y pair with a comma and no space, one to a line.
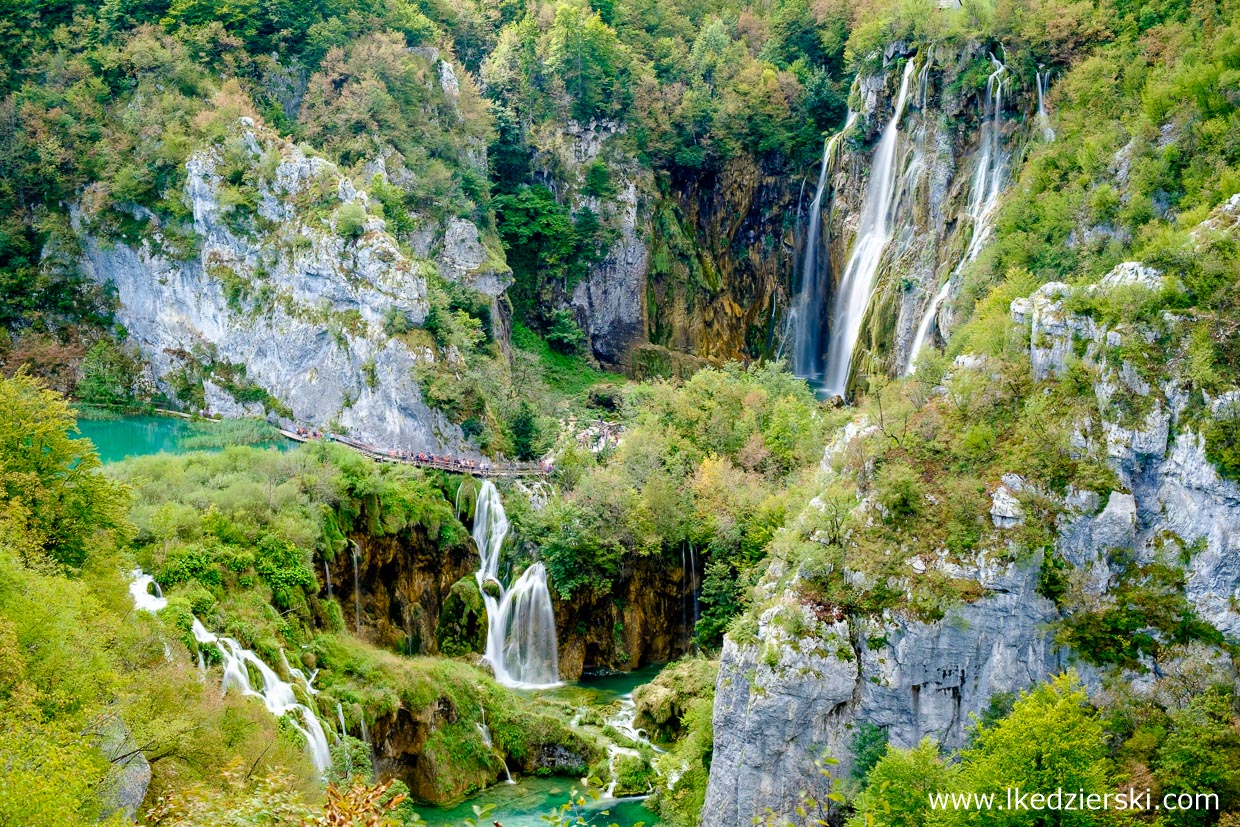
351,221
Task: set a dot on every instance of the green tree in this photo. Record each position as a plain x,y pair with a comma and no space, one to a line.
50,483
898,788
1052,740
524,432
590,60
109,375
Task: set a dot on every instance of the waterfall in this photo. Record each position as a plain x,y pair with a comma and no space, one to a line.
277,694
923,78
857,283
141,586
697,611
987,184
1044,121
811,301
357,594
328,573
521,641
484,732
623,722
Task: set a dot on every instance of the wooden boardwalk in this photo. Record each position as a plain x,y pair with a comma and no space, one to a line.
453,465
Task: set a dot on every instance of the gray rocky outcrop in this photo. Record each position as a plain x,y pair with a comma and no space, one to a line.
286,309
781,704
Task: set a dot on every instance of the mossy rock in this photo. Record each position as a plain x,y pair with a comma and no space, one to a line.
462,620
662,703
634,775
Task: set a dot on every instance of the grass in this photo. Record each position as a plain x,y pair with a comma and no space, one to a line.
570,375
229,432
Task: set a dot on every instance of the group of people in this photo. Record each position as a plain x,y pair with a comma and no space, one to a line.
450,461
464,464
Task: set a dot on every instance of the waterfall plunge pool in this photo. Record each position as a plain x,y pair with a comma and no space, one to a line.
524,803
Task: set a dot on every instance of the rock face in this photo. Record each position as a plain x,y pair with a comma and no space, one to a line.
283,308
781,703
647,618
125,787
404,583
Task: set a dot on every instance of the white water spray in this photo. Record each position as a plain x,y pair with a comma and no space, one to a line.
811,302
987,184
856,285
521,641
277,695
145,592
1044,121
357,594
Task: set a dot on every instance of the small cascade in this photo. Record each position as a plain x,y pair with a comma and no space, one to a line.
808,310
277,695
484,732
357,594
923,327
340,716
923,78
874,231
697,609
623,722
991,162
987,184
145,592
327,572
1044,121
521,640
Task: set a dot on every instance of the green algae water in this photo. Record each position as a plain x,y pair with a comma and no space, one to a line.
525,803
135,436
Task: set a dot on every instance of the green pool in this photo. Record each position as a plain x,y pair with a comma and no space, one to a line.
525,803
133,436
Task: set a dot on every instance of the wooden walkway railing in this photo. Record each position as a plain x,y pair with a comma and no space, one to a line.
453,465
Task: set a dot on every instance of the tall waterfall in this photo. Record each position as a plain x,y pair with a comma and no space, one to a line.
277,695
521,642
811,303
987,184
853,295
1044,121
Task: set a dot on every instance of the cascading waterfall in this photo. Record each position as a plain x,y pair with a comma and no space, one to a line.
521,640
146,594
856,285
357,594
277,694
811,302
484,732
327,572
987,184
1044,121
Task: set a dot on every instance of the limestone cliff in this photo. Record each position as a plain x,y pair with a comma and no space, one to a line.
282,299
809,675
